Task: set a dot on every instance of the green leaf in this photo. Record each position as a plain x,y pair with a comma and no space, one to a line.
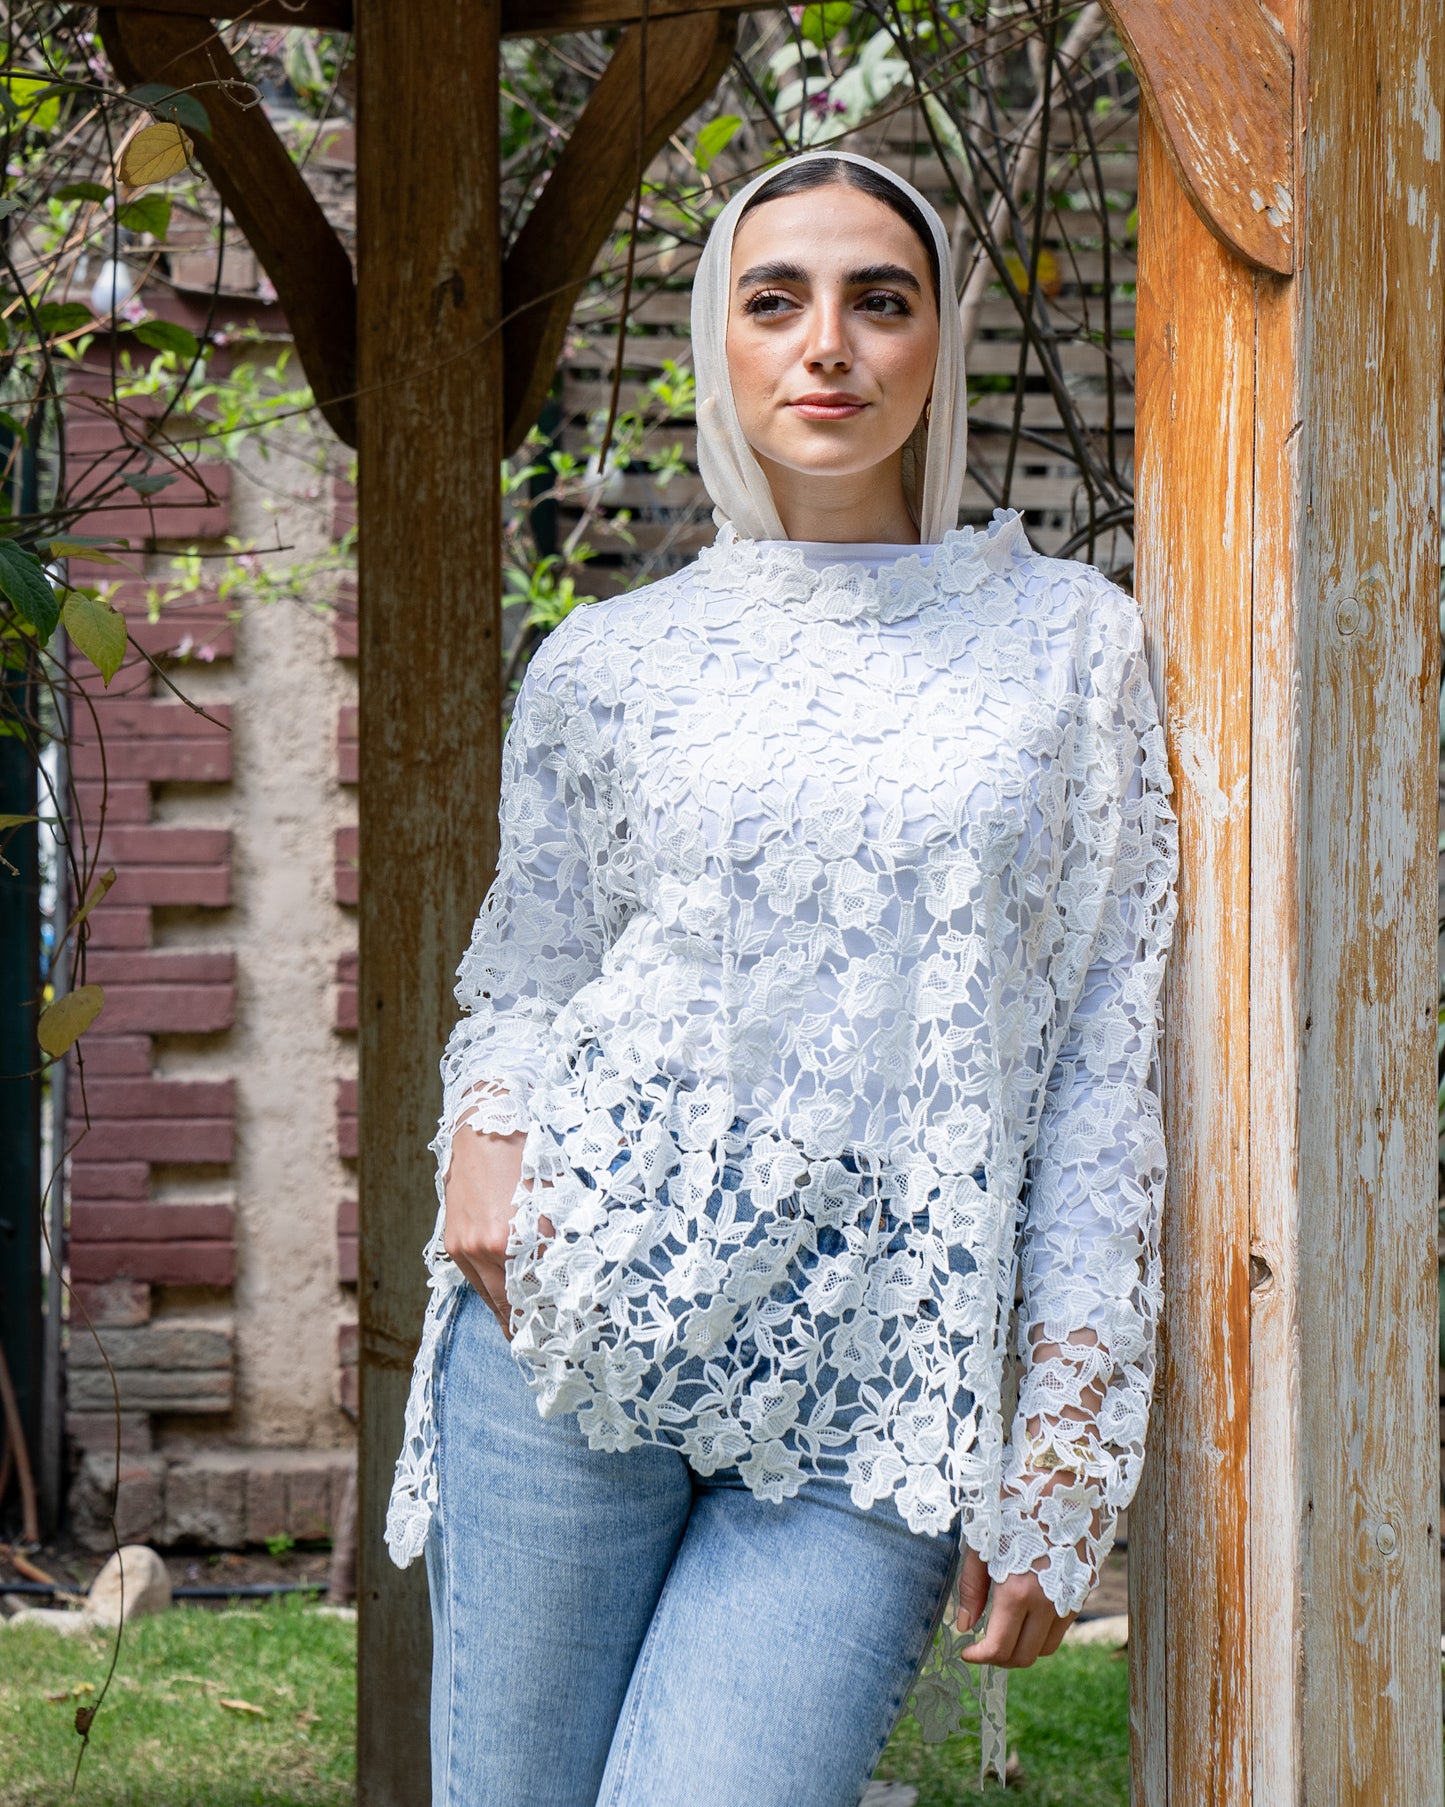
83,191
8,421
148,486
56,317
23,581
166,335
9,205
16,821
151,213
64,1019
714,138
97,629
821,24
165,102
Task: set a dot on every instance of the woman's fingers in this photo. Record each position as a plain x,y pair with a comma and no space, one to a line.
1022,1626
972,1589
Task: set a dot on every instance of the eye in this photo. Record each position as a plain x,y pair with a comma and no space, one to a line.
884,301
768,303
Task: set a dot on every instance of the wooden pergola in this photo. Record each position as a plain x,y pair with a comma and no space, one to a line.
1285,1545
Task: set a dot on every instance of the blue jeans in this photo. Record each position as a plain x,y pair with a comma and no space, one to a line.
612,1630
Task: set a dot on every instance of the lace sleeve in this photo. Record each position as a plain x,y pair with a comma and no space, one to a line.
550,913
1089,1243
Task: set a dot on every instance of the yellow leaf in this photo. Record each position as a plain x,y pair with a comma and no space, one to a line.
243,1706
102,885
156,152
63,548
97,629
69,1017
1050,280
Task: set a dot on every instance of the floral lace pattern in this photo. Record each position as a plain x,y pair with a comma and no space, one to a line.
822,970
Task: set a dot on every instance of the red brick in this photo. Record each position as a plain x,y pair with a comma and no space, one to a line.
161,1263
115,1303
151,1096
346,744
172,1139
108,1056
141,738
265,1504
346,1242
120,802
346,1127
135,1222
346,1003
160,864
308,1503
113,925
344,637
96,1431
109,1181
346,880
166,992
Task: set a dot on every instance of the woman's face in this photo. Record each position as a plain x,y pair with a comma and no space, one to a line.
832,332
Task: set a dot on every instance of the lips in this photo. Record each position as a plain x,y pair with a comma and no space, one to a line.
828,405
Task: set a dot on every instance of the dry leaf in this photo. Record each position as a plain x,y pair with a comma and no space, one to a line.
82,1688
67,1017
59,1694
243,1706
156,152
84,1720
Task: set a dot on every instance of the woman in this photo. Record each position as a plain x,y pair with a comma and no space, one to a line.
815,1001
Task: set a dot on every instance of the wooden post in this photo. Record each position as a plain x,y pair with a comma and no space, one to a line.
429,424
1285,1543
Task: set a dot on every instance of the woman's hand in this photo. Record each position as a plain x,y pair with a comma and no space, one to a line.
481,1183
1023,1625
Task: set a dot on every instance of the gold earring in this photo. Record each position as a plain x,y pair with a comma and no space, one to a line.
928,412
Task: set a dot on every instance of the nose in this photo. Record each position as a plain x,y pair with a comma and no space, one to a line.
827,347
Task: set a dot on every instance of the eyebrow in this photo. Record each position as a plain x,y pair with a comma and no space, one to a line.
780,271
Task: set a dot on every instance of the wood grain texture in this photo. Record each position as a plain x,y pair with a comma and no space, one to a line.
1218,78
1311,410
1194,548
255,177
1369,358
429,727
520,18
591,184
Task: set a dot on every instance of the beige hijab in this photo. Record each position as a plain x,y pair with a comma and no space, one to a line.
741,494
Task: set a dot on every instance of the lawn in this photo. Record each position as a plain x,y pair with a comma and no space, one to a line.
255,1708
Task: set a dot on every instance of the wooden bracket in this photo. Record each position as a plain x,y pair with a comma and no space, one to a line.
1218,79
588,188
255,177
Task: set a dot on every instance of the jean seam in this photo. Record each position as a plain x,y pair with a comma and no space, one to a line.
639,1677
440,1377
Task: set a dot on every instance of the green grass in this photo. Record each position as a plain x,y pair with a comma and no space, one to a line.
1068,1722
163,1739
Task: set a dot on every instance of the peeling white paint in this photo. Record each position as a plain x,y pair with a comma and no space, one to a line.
1199,767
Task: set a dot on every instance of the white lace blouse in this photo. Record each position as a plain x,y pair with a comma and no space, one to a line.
822,969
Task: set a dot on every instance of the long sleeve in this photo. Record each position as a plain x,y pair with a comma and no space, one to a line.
558,901
1089,1238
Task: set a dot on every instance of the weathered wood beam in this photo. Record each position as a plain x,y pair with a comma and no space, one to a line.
317,15
520,18
546,18
430,615
589,187
254,175
1218,79
1284,1547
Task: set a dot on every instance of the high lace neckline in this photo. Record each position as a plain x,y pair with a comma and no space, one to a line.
780,573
